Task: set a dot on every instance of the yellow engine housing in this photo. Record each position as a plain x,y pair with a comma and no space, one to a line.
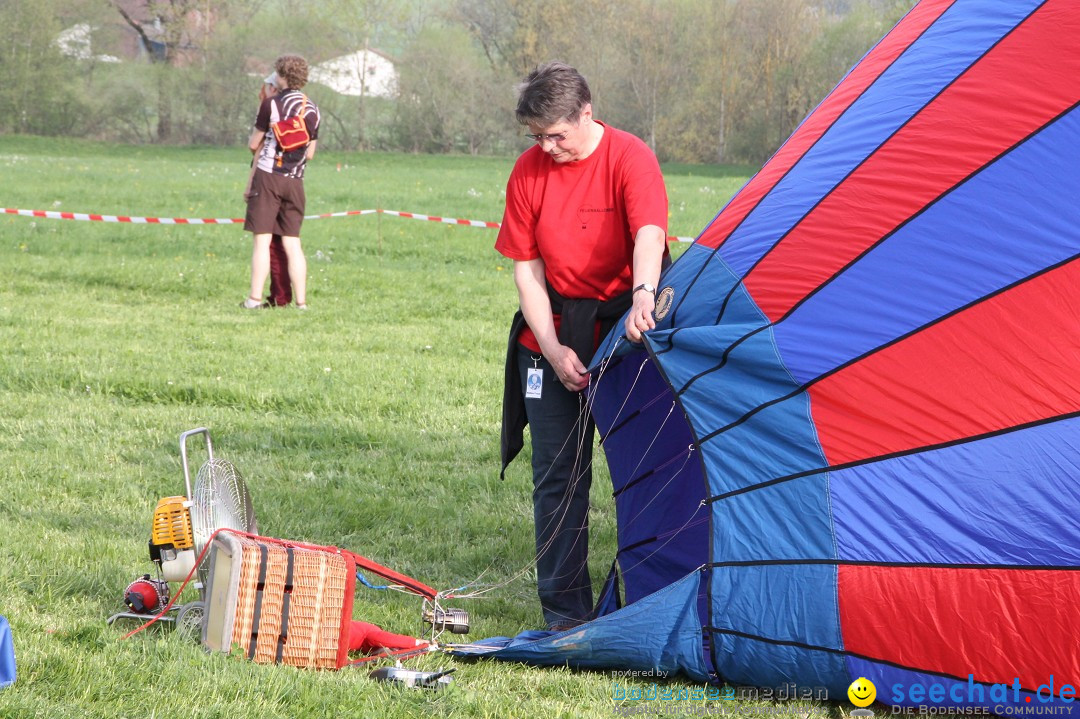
172,523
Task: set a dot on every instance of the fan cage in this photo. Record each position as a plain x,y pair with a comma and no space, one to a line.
220,500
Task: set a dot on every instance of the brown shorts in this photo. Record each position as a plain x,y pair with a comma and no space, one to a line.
275,205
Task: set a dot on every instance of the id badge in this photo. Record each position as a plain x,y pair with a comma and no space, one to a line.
534,383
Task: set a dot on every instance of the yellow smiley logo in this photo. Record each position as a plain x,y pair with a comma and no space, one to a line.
862,692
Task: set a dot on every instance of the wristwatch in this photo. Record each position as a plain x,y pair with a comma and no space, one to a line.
647,287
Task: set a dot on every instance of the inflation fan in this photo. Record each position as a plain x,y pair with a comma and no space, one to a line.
272,600
182,527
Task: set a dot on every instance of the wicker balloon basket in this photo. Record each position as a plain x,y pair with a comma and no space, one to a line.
278,602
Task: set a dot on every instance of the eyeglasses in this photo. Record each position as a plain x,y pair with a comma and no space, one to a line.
551,138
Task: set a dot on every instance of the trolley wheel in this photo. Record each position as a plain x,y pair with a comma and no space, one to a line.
189,620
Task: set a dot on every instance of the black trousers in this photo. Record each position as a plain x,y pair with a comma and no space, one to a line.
562,439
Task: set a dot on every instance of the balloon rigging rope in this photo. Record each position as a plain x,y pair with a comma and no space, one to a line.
528,567
600,376
559,519
674,534
656,436
689,521
578,429
658,492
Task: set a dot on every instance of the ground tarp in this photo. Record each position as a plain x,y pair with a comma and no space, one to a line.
7,655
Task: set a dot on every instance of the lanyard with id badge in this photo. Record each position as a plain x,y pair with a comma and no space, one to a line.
534,380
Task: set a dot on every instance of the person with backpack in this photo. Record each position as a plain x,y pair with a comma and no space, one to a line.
280,287
283,140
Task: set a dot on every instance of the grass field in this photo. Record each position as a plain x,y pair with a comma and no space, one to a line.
369,422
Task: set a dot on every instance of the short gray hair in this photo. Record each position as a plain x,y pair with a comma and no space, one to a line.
551,93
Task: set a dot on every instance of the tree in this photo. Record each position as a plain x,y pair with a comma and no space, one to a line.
696,125
517,35
449,97
164,27
38,94
654,64
182,38
355,25
772,37
699,80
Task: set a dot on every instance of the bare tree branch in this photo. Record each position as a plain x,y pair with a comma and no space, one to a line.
135,25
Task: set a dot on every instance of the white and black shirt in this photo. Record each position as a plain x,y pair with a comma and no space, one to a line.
279,107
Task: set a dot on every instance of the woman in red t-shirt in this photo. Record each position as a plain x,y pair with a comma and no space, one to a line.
586,226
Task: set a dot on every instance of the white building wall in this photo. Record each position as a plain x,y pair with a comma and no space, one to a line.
364,72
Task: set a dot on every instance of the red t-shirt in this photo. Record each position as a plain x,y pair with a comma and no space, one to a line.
581,217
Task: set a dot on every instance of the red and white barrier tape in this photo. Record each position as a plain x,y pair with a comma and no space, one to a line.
54,215
447,220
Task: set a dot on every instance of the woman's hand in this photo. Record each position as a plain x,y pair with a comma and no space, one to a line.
640,319
568,368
